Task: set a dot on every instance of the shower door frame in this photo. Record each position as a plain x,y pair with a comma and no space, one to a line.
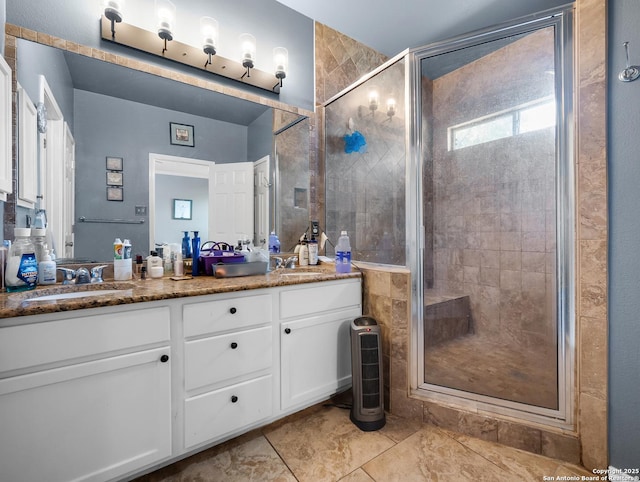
564,417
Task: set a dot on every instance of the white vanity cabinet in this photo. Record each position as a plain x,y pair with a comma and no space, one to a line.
228,360
315,350
85,397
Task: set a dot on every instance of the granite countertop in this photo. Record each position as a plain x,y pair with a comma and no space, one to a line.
137,291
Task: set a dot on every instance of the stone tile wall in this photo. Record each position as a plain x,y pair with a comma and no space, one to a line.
494,203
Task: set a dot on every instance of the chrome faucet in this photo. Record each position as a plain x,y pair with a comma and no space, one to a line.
290,262
81,275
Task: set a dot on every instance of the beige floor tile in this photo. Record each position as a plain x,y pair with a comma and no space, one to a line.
254,460
398,429
357,476
525,465
431,455
326,446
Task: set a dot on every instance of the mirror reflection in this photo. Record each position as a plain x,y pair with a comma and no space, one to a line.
110,111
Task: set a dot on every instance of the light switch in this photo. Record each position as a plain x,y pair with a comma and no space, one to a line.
141,210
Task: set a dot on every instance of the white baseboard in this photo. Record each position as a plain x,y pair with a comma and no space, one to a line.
618,476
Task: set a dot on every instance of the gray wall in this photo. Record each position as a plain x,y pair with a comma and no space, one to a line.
260,141
624,239
270,22
106,126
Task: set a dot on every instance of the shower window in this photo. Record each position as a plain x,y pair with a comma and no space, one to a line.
530,117
492,210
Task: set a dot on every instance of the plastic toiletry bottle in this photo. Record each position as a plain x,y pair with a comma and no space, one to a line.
47,270
313,251
274,243
195,250
122,266
118,249
39,240
303,255
186,245
178,266
343,254
153,260
22,268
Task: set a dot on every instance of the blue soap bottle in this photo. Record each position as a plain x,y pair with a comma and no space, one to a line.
186,245
195,246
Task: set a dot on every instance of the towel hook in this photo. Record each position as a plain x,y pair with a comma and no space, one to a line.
631,72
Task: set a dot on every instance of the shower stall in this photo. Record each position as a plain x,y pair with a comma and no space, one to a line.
456,161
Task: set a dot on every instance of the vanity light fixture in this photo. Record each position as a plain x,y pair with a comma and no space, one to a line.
281,63
391,107
242,70
113,12
209,30
166,16
248,46
373,101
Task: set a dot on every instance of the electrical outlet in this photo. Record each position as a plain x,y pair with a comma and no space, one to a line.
141,210
315,228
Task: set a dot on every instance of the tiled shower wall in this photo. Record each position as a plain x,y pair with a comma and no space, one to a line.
366,190
494,219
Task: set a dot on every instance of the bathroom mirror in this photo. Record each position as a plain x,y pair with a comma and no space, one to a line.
117,112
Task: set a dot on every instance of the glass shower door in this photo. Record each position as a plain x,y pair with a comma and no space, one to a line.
490,209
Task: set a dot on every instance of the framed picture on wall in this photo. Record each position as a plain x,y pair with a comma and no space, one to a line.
114,178
114,163
181,134
115,194
182,208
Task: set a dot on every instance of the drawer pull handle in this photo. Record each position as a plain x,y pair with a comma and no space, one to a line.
164,358
234,399
287,330
234,345
233,310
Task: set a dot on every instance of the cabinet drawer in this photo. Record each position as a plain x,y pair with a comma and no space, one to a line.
223,357
35,344
221,412
226,314
319,298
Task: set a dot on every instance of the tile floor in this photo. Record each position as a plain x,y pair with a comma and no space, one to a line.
321,444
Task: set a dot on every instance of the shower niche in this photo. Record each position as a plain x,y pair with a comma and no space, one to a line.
468,181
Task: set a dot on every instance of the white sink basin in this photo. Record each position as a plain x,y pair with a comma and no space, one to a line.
74,294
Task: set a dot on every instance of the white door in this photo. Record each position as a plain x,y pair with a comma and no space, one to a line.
231,216
52,169
91,421
68,188
261,186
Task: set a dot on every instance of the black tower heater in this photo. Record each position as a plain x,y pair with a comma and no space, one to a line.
367,412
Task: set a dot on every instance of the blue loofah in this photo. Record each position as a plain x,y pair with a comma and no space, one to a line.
354,142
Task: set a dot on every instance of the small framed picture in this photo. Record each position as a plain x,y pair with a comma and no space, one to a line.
181,134
182,208
115,193
114,178
114,163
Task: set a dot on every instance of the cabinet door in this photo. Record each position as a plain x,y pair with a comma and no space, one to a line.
90,421
315,357
5,129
